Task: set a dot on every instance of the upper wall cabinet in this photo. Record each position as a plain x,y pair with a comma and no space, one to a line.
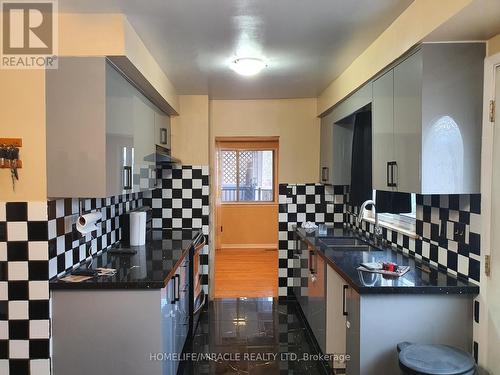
336,152
336,138
101,131
427,114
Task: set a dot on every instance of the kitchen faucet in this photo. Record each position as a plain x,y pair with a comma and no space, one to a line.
377,230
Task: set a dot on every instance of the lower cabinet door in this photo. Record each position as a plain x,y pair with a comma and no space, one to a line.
317,302
168,326
182,306
301,273
353,304
336,319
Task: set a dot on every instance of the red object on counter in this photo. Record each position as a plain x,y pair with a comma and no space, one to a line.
389,266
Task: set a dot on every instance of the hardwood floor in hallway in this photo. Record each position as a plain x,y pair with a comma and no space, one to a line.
246,273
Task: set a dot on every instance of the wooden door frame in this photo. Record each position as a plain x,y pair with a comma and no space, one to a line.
241,143
490,65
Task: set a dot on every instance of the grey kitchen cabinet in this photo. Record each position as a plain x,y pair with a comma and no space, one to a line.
300,271
353,103
145,333
374,330
382,130
316,285
128,110
326,152
311,293
336,316
336,150
336,138
100,131
364,328
436,116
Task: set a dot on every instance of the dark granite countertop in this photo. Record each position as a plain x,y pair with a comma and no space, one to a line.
415,281
151,267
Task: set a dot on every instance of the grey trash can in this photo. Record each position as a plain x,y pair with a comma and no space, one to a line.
421,359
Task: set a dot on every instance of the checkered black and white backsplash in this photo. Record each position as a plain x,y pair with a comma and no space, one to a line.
448,231
299,203
183,202
68,248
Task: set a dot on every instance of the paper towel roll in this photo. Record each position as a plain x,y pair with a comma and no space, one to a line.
137,228
87,223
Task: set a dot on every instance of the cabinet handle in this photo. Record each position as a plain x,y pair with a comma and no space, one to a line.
390,172
174,281
325,174
344,302
163,136
178,296
395,180
312,262
127,177
387,174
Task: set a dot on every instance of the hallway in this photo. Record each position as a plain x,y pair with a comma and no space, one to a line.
271,331
246,273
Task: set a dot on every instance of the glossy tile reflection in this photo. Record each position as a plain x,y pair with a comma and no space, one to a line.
252,336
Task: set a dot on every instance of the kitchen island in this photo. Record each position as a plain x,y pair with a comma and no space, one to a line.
127,323
365,315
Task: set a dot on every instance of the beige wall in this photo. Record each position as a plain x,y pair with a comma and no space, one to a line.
415,23
137,52
494,45
91,34
22,115
293,120
190,131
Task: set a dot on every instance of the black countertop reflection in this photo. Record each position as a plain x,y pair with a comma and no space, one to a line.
151,267
415,281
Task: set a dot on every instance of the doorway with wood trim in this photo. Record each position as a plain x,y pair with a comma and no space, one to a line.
246,257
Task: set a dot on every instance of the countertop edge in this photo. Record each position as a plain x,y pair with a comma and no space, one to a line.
415,290
57,284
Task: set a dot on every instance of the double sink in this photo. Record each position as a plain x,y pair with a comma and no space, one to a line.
347,244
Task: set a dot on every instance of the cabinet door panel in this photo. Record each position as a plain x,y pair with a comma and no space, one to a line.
382,129
168,325
144,143
336,322
119,133
301,257
342,153
326,152
353,348
408,123
317,302
75,118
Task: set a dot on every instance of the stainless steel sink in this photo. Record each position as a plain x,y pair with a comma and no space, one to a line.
344,243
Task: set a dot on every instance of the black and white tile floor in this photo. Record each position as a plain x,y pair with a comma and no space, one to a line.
268,330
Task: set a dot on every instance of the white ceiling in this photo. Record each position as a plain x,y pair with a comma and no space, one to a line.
305,43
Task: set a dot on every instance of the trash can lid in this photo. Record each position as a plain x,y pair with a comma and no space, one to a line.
435,359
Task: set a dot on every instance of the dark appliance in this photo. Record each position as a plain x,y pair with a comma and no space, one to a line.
198,296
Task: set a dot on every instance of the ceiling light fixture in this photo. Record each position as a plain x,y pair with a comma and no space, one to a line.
247,66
